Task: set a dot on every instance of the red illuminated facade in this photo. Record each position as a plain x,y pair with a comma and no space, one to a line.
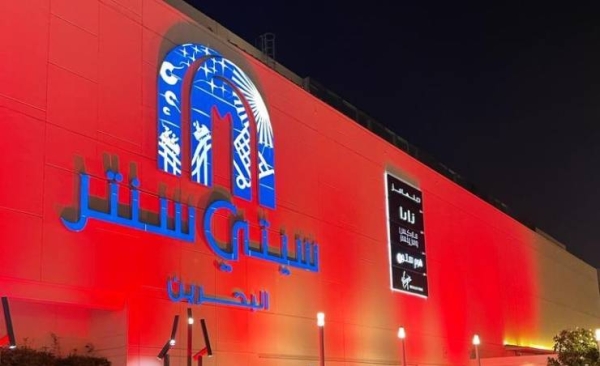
78,95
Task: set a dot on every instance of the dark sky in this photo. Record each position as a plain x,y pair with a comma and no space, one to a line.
506,95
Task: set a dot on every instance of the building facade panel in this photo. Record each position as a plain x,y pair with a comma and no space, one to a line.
100,244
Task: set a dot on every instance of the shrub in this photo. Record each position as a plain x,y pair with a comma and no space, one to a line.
76,360
25,356
575,347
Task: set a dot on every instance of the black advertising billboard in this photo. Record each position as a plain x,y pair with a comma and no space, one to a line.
408,262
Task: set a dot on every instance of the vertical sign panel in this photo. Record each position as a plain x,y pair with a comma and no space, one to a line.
408,262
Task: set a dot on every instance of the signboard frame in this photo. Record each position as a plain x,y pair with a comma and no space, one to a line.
412,200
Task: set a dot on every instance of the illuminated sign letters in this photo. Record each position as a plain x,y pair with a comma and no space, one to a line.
408,264
218,87
219,91
195,295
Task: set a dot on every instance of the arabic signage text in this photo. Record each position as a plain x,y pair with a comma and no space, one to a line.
304,254
219,91
408,262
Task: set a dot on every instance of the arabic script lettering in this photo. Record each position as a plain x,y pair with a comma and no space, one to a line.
195,295
304,254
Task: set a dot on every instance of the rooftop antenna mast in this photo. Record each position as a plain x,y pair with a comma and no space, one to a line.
266,44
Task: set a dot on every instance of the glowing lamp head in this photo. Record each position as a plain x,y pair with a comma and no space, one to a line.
190,317
476,340
321,319
401,333
172,342
12,346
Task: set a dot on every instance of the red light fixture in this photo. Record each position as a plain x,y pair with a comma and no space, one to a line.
207,350
164,352
9,338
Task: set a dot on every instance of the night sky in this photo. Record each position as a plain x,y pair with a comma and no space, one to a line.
507,96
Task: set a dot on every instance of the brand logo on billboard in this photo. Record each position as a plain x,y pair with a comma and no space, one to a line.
409,237
411,197
406,215
409,259
406,279
219,90
406,283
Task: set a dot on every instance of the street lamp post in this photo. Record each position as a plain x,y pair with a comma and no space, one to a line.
598,340
402,336
164,352
189,336
476,343
321,325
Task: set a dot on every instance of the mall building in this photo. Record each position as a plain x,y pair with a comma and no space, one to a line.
156,165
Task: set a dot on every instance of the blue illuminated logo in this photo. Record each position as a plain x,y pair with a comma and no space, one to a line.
218,89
